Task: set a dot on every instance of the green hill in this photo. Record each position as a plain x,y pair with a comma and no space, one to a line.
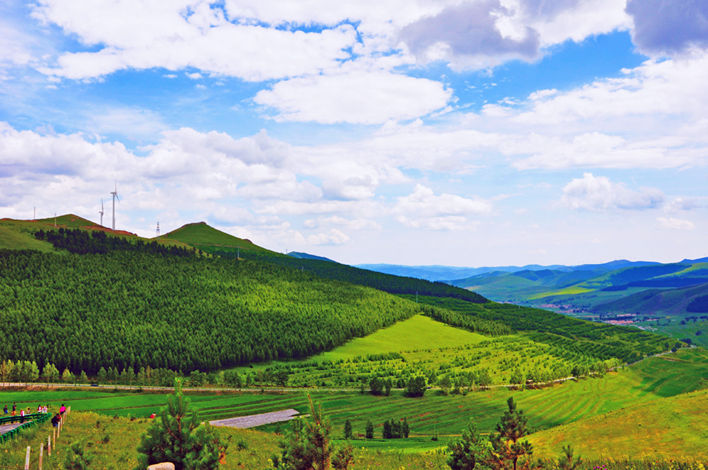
20,234
210,240
657,301
136,308
220,311
213,241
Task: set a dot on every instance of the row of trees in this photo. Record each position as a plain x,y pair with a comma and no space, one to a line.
98,242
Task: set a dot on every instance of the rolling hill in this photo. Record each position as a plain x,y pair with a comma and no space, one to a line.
208,312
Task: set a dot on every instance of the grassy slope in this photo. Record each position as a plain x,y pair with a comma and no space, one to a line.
647,381
418,332
571,290
669,427
209,239
10,238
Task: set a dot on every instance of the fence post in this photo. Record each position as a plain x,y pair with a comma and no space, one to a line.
54,438
27,458
41,452
49,447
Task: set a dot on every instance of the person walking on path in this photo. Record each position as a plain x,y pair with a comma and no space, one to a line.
14,409
4,410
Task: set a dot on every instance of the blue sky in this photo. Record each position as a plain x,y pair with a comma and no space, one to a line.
475,132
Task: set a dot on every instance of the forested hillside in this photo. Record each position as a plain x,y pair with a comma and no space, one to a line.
134,308
599,340
213,241
126,302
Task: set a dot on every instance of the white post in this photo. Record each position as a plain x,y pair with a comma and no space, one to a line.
27,458
41,452
49,446
54,438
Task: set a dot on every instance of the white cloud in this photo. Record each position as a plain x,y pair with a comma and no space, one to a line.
358,97
467,36
485,33
675,223
185,34
670,87
332,237
351,224
424,209
598,193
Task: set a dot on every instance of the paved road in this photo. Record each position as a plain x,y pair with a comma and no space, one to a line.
9,427
252,421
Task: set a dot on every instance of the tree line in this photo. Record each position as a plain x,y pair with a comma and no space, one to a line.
97,242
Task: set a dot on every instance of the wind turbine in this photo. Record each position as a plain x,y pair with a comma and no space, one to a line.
101,212
114,193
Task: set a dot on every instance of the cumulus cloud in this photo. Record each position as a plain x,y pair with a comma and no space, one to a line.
467,36
332,237
598,193
185,34
358,97
485,33
669,27
675,223
424,209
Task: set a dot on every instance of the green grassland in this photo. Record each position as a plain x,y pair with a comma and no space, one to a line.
570,290
208,239
418,332
11,238
670,427
647,381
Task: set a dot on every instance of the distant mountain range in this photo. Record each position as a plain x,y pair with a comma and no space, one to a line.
671,297
449,273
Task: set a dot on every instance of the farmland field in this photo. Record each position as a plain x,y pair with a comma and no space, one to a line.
647,381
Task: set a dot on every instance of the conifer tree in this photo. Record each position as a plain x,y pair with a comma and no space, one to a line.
348,429
369,430
468,451
176,436
506,447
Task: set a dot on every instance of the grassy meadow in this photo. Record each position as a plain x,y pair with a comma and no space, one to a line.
659,428
647,382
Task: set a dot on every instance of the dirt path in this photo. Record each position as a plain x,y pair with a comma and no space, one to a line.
252,421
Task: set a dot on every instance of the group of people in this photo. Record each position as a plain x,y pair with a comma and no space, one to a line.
40,409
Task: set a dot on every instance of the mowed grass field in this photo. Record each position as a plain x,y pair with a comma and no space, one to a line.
667,428
650,380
